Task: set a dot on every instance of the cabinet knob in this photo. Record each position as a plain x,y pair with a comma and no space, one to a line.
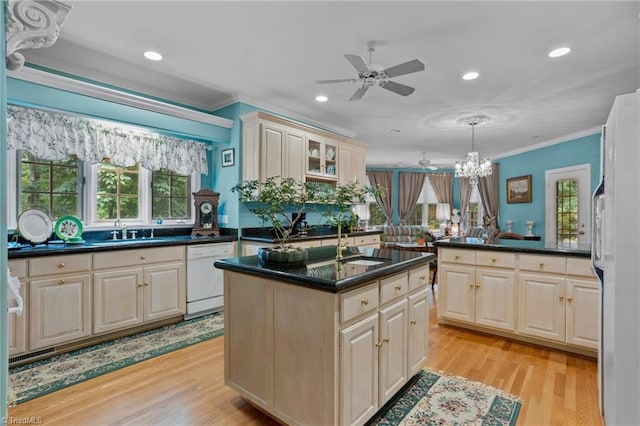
477,285
141,285
471,285
423,277
542,264
60,265
457,257
62,281
398,288
414,322
365,302
561,298
378,345
569,299
493,260
386,340
143,257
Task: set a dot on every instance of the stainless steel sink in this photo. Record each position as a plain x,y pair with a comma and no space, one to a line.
123,242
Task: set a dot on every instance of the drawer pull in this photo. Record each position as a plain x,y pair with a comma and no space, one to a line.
494,260
365,302
541,264
379,345
457,257
423,277
143,257
569,299
386,340
60,265
414,322
398,287
62,281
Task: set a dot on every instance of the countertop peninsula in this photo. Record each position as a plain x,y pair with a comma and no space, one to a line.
323,272
515,246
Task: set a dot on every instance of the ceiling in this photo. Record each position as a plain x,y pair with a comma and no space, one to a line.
270,54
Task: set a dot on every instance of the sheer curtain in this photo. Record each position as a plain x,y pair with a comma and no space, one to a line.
442,184
465,197
382,181
489,194
55,136
410,187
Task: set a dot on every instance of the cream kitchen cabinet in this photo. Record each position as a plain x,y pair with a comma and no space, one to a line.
149,285
354,349
352,163
18,323
322,158
59,300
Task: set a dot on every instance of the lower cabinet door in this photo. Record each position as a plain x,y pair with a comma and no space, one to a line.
418,331
393,352
59,310
541,308
18,326
496,298
164,291
117,299
457,292
359,371
582,313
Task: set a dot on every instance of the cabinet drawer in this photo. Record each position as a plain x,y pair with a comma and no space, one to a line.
541,263
458,256
60,264
358,302
495,259
393,287
418,278
582,267
116,259
364,240
18,268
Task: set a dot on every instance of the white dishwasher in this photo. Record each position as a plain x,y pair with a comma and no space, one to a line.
204,281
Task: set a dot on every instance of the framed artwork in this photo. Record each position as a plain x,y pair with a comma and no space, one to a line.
228,157
519,189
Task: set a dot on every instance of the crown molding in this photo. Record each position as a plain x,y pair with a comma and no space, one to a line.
555,141
88,89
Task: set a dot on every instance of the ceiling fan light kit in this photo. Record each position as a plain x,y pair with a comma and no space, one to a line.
375,75
472,167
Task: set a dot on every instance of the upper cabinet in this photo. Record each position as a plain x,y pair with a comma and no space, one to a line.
273,146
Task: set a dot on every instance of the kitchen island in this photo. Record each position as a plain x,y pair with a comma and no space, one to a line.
328,343
524,290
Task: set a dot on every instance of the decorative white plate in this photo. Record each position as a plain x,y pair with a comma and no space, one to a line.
35,226
68,227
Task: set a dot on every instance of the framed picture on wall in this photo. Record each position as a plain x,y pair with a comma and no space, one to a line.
519,189
228,158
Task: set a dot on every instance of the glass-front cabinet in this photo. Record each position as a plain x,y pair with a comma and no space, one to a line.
322,158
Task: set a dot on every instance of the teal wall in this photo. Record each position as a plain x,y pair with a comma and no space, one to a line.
535,163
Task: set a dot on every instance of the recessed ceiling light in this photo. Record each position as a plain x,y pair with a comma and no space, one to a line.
321,98
472,75
152,56
561,51
395,130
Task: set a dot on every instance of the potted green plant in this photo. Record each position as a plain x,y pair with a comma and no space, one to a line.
272,201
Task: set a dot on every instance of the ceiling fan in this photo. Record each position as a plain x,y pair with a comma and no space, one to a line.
375,75
426,164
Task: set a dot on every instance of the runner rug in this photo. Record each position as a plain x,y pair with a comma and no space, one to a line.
48,375
440,399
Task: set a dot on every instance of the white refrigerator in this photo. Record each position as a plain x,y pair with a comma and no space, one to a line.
616,259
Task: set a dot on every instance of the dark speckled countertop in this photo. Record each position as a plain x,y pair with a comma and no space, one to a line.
90,246
323,272
517,246
265,236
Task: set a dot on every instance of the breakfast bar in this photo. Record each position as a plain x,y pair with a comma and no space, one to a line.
521,289
330,342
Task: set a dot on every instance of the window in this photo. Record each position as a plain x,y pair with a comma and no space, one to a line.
117,193
171,195
567,211
474,212
427,206
51,186
376,215
567,205
416,216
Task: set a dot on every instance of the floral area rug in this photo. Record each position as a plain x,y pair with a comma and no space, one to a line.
48,375
437,399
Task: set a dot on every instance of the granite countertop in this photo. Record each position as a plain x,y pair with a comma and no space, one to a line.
266,237
58,247
323,272
518,246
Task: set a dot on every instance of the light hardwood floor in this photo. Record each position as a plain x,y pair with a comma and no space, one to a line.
186,387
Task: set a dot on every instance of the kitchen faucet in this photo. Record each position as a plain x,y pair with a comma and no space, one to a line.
123,228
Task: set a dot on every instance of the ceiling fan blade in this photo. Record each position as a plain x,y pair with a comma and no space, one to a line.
405,68
357,62
400,89
359,93
340,80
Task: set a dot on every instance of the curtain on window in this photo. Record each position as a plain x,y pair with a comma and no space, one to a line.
410,188
465,196
443,185
382,181
55,136
488,187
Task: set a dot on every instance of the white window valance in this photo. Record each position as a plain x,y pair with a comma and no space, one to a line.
56,136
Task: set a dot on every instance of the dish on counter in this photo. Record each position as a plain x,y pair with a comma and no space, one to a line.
35,226
68,227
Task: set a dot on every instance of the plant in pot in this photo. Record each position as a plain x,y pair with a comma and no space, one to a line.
271,201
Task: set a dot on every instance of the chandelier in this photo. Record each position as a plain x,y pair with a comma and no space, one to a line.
472,167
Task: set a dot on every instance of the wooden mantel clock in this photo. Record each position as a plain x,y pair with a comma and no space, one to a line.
206,204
